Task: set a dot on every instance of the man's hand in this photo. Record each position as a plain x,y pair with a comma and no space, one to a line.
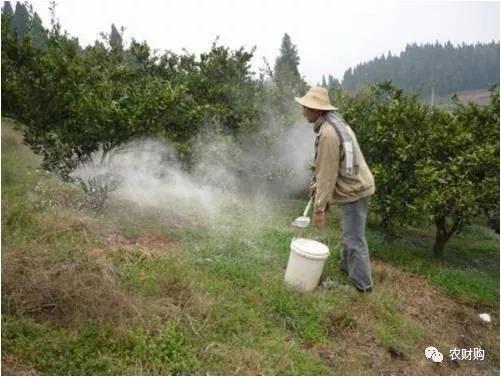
319,218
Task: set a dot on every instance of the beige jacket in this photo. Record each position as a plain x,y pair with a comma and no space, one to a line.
331,186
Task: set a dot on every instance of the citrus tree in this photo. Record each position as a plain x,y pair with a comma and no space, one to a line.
77,101
428,163
458,176
390,127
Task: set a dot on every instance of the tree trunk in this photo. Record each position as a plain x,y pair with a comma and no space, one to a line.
388,228
441,237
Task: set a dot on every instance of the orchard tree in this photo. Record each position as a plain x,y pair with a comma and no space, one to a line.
390,129
11,59
460,176
483,123
428,163
446,194
75,102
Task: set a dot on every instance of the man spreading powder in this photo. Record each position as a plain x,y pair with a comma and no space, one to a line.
341,176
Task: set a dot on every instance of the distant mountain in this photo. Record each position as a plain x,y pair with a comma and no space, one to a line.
447,68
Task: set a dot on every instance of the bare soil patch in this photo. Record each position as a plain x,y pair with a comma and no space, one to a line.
441,322
12,365
148,244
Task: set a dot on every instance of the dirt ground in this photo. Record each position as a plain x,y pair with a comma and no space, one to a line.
14,366
447,325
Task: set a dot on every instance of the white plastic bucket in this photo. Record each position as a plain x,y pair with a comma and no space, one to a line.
306,263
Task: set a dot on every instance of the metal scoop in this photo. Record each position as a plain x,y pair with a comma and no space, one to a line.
303,221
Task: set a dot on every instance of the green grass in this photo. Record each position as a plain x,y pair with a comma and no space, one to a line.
468,271
97,349
212,299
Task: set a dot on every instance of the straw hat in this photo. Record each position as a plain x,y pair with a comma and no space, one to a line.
316,98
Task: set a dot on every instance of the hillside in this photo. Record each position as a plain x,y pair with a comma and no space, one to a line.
479,96
418,68
175,289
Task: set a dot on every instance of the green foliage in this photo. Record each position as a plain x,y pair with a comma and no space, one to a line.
7,9
429,164
483,124
286,73
116,38
459,177
25,23
21,21
390,129
287,79
38,32
76,102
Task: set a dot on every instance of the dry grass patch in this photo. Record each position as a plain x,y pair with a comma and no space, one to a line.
58,223
145,241
82,283
11,136
147,244
13,365
234,359
68,290
388,330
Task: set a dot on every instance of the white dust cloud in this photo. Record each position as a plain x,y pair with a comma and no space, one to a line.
269,164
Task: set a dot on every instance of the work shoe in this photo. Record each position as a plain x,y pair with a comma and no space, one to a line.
366,290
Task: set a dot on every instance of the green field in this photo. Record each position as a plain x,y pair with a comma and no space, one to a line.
171,290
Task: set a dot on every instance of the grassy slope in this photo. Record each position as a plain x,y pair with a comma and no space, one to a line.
157,291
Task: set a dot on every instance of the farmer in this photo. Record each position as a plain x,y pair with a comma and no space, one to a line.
341,176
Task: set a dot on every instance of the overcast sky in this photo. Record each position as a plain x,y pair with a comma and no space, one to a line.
330,36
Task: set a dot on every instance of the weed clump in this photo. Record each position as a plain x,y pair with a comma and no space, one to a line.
65,290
